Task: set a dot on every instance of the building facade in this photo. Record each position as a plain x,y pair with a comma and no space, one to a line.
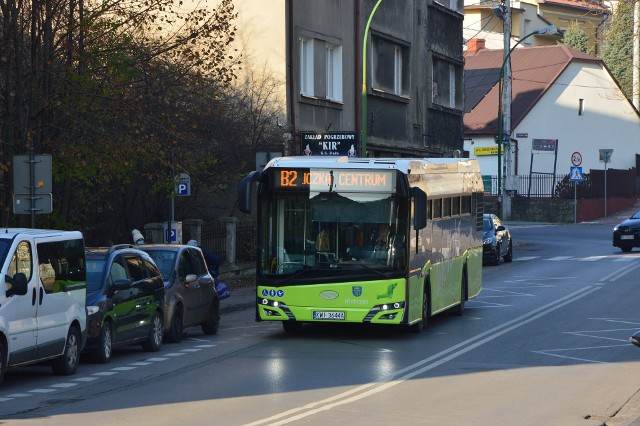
566,108
413,86
480,21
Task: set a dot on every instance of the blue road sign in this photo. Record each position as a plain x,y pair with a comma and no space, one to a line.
575,175
183,185
173,235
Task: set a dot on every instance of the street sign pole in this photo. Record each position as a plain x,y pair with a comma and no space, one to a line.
32,184
575,202
575,176
605,155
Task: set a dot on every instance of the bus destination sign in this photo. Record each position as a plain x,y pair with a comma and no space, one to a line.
338,180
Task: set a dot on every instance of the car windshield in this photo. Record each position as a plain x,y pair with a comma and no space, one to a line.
165,259
487,225
95,270
636,215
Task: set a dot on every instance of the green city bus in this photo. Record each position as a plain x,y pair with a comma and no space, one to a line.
365,240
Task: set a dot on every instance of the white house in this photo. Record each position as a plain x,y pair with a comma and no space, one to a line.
558,94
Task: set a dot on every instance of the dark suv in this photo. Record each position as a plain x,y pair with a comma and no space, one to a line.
125,296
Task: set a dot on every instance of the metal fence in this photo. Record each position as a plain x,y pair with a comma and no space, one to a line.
537,185
246,241
214,237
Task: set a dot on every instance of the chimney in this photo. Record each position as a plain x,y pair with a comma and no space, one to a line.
474,45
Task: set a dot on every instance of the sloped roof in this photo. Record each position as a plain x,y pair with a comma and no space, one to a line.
590,5
533,70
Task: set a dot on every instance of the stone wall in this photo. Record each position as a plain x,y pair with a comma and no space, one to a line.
554,210
558,210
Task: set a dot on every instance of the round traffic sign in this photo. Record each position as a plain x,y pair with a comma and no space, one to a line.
576,158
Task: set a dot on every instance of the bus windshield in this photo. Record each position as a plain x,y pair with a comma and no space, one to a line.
337,232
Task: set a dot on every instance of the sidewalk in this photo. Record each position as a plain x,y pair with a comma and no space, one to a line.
241,298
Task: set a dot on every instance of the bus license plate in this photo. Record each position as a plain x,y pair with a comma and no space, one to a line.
626,237
323,315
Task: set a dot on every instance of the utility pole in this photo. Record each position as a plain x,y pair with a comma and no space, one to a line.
506,116
636,55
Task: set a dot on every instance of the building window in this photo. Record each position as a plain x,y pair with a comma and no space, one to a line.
447,84
527,30
334,72
457,5
306,67
580,106
390,65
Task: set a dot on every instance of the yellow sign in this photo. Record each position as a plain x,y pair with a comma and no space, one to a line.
486,150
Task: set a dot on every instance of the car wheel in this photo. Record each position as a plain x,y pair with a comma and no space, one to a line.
508,257
2,361
154,341
626,249
213,322
105,345
420,325
291,326
177,329
67,363
496,261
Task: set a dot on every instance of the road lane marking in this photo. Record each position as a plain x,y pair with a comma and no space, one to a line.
424,365
591,258
551,352
558,258
486,304
619,273
509,293
522,259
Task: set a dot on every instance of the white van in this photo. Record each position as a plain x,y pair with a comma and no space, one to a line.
42,306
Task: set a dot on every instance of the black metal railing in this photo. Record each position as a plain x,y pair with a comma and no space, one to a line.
537,185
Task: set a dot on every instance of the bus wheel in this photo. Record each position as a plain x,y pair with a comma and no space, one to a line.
419,326
291,326
459,309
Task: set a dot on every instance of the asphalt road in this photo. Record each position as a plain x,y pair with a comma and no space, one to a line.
546,342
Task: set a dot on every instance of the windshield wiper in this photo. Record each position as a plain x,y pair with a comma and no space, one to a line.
298,273
368,268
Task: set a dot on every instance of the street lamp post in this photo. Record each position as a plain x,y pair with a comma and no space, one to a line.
504,129
363,121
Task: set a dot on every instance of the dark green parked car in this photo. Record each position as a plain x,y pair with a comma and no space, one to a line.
125,296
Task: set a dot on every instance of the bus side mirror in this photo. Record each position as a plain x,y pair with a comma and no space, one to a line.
244,191
419,208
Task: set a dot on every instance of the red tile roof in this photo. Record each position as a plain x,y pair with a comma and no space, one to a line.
533,69
594,6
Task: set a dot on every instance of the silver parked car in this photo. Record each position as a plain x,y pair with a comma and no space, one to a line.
190,295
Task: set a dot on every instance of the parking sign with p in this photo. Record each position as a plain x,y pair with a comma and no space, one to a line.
183,185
